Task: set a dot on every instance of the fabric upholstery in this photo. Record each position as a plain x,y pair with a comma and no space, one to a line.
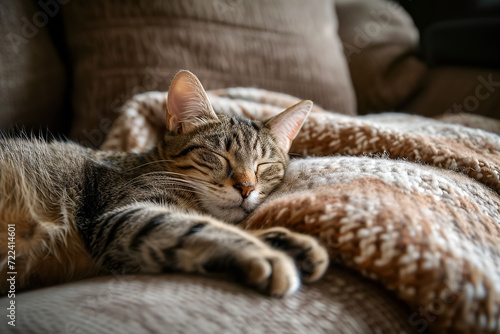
381,44
32,77
121,49
342,302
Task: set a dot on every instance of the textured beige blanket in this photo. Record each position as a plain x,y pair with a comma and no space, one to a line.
410,202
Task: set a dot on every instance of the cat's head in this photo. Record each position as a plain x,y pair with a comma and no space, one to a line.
231,163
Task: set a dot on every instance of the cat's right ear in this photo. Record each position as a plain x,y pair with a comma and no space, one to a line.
187,104
285,126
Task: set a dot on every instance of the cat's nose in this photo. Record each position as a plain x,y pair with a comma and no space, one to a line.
245,189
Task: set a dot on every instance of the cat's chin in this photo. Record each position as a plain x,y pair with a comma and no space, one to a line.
228,214
231,210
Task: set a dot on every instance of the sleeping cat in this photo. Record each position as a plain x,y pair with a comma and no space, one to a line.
78,212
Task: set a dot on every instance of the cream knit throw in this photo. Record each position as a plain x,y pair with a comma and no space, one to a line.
407,201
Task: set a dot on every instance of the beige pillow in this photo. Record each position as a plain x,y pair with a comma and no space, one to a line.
32,77
289,46
380,43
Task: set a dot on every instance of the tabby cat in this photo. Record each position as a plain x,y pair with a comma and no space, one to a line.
79,212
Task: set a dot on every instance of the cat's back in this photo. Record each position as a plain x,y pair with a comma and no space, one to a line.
35,174
36,152
38,166
39,186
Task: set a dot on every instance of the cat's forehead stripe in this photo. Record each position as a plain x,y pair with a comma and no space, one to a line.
239,137
228,143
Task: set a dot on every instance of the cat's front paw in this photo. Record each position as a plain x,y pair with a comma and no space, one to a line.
270,271
310,257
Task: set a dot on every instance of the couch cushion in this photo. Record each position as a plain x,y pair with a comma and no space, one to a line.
342,302
32,77
120,49
380,44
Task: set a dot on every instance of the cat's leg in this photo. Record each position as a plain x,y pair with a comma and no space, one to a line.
310,257
152,239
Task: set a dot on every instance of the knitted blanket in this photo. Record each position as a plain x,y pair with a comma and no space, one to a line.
410,202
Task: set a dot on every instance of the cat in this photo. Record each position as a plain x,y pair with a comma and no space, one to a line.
76,212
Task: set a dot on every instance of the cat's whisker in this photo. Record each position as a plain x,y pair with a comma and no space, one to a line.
183,189
184,175
173,173
145,175
148,163
177,188
178,180
166,180
183,183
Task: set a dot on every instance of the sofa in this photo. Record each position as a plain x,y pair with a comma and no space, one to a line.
71,68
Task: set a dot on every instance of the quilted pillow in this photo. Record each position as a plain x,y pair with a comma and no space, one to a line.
121,49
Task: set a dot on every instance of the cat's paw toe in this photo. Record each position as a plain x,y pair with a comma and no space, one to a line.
310,257
271,272
312,261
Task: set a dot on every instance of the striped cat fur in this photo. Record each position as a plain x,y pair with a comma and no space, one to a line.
80,212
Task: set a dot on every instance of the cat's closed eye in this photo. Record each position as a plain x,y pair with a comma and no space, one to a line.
269,163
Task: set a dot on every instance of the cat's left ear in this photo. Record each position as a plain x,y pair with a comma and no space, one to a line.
187,104
285,126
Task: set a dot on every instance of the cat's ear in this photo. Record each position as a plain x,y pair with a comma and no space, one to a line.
285,126
187,104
